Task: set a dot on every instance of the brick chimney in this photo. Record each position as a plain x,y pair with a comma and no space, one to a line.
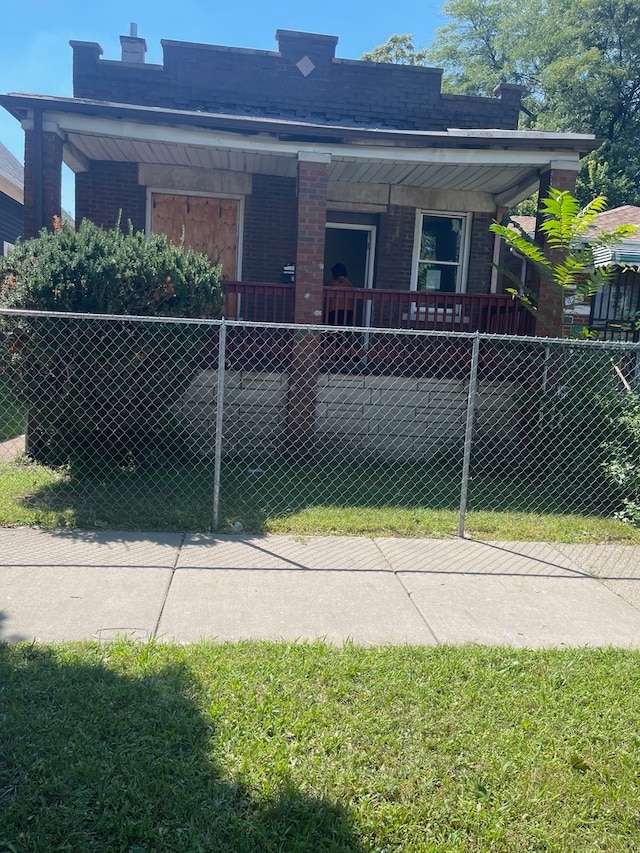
133,48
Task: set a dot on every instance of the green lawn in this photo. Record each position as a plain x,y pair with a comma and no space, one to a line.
274,747
368,500
12,418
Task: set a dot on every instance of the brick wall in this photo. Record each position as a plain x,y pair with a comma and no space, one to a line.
550,316
223,79
270,220
51,182
395,248
269,228
107,189
480,254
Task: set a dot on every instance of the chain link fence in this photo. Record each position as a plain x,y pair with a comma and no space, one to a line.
197,425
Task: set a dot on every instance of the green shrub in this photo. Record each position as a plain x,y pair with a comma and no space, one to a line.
101,271
103,390
623,450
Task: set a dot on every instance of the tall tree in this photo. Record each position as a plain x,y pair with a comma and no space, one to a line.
578,61
399,50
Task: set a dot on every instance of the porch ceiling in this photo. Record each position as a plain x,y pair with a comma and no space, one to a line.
494,178
505,164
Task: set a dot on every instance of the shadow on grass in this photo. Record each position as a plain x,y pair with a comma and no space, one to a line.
179,497
431,487
98,758
155,499
281,489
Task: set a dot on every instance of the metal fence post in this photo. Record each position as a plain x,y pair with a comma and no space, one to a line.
468,433
217,454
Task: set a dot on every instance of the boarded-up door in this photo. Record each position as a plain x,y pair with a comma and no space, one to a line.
210,226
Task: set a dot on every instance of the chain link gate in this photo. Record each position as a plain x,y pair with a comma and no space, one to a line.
208,424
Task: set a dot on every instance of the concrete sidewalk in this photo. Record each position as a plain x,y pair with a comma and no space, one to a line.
98,585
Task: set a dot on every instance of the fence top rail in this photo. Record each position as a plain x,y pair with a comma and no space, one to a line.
126,318
628,346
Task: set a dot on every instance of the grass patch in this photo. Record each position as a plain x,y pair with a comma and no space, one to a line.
439,524
276,747
12,415
366,500
179,499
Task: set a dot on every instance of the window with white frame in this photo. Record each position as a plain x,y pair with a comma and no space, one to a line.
441,241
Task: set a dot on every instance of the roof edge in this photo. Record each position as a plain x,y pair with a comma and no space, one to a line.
16,103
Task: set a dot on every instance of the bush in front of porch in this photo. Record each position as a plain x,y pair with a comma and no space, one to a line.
97,389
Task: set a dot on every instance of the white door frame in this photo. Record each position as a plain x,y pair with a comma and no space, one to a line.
371,246
369,261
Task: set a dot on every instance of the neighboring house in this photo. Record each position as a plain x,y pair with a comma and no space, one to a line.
615,308
11,199
278,164
613,311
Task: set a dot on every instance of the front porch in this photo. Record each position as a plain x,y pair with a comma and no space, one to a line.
489,313
406,212
364,339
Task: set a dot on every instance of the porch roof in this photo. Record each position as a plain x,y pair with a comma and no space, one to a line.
504,164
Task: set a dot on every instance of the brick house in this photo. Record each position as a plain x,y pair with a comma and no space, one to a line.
11,199
294,160
613,311
615,308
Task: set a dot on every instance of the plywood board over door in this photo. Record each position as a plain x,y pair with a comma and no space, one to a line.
210,225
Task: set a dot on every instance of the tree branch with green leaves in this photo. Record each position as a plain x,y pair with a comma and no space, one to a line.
566,260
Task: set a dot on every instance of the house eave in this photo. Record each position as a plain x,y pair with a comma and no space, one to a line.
503,164
21,104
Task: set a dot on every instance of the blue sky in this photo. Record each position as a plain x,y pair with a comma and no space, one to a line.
36,56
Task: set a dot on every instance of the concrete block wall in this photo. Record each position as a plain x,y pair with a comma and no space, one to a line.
384,417
390,417
254,412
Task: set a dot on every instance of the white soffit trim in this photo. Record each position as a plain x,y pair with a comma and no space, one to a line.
305,156
516,134
115,128
565,164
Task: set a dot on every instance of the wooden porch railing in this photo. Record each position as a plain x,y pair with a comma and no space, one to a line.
258,301
384,309
434,311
